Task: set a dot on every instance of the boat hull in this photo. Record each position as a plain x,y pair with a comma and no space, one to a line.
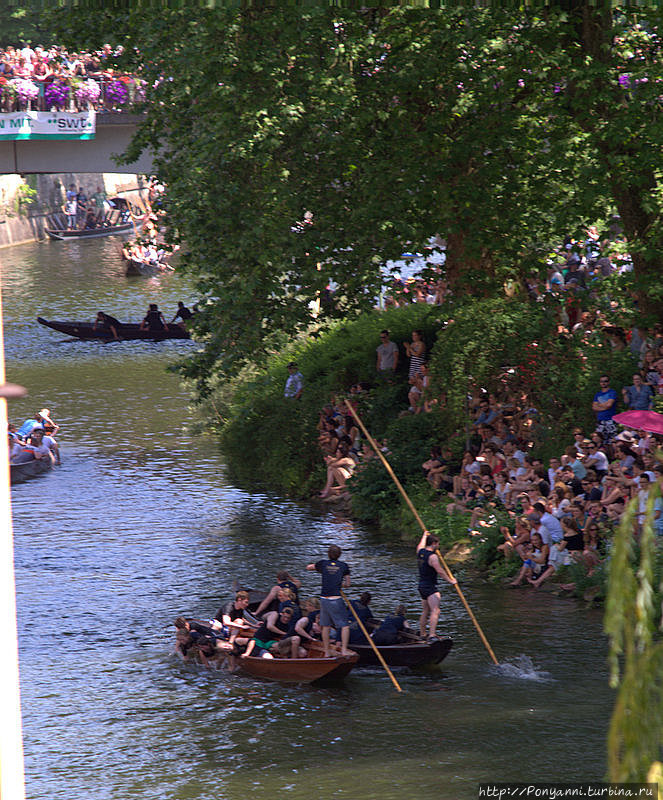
129,331
141,269
414,654
312,669
62,234
30,469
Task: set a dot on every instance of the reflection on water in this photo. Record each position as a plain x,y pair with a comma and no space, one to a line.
140,525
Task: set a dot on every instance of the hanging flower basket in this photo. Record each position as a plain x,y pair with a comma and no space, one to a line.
56,94
116,93
87,91
26,91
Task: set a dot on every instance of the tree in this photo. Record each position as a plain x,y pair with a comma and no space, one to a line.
499,130
632,616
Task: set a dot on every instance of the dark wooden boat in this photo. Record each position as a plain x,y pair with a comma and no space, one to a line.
414,652
29,469
88,233
116,220
129,330
145,270
411,650
315,667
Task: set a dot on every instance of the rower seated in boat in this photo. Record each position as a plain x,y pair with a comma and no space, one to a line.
362,610
154,321
284,580
107,323
229,619
275,638
388,631
183,313
308,625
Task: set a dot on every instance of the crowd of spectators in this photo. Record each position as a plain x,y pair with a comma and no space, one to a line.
561,511
55,79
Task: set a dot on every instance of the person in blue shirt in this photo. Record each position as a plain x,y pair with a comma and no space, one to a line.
333,614
605,408
639,396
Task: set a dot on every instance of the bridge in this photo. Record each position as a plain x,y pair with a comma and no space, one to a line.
113,134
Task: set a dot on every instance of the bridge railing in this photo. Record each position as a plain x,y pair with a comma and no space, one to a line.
104,93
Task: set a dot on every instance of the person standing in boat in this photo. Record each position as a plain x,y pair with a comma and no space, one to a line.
108,323
429,568
333,613
154,321
70,207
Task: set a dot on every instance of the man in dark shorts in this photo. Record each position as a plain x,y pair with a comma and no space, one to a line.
333,613
429,568
284,580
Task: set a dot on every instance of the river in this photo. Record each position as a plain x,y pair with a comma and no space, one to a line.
140,524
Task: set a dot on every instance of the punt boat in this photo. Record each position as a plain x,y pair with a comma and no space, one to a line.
129,330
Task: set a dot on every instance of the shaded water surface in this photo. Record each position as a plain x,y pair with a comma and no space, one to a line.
140,525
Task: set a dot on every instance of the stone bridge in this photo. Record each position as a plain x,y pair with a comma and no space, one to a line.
113,133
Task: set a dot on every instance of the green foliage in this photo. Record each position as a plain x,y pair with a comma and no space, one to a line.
271,440
512,128
632,621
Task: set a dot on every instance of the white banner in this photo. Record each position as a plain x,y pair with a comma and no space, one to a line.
47,125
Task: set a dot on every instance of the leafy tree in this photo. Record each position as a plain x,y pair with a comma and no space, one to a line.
632,617
497,129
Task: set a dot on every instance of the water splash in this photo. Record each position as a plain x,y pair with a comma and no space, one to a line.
522,668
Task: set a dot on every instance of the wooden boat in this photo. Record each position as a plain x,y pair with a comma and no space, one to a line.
62,234
117,220
143,269
315,667
129,330
29,469
411,652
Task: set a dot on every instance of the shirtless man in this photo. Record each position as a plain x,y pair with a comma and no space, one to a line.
429,569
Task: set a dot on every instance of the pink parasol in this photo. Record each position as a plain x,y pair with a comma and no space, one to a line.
650,421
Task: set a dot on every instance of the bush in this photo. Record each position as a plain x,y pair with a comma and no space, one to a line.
271,441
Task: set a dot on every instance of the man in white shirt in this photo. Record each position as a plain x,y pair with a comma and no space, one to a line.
37,446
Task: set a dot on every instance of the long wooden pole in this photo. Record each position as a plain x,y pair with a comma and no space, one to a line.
370,641
414,511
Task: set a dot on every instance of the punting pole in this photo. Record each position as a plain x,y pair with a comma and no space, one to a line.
370,641
387,465
12,786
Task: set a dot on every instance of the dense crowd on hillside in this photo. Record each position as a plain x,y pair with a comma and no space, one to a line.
53,78
561,511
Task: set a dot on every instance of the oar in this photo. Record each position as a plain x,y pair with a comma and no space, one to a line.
423,527
371,642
